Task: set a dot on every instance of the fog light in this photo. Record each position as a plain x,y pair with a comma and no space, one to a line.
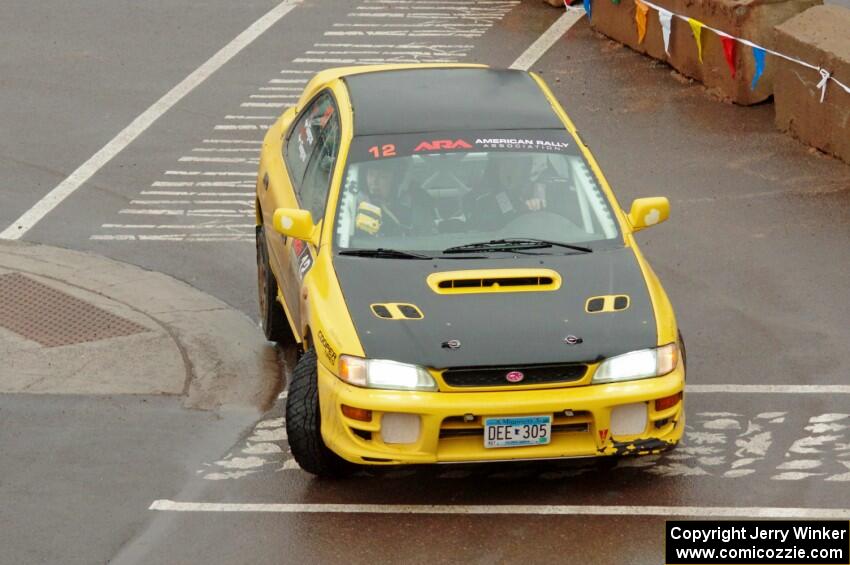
360,414
628,419
667,402
400,428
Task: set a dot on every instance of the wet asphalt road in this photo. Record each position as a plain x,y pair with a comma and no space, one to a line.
754,258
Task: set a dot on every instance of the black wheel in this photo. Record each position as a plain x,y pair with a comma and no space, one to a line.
275,325
303,423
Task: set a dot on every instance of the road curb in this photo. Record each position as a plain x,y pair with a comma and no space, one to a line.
190,343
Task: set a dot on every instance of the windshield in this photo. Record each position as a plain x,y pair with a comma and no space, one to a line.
430,192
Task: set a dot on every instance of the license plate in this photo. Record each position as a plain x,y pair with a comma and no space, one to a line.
517,431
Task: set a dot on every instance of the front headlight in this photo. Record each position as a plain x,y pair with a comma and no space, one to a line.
381,373
641,364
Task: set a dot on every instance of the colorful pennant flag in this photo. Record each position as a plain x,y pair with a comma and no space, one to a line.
587,8
758,57
696,27
729,51
665,18
641,10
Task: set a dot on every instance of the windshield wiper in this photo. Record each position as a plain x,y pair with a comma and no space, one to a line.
514,244
384,253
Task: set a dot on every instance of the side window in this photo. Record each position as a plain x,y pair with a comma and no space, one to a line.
303,138
317,178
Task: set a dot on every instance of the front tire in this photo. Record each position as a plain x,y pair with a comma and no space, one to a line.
275,325
303,423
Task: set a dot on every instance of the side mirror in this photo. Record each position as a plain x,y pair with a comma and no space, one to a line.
647,212
293,222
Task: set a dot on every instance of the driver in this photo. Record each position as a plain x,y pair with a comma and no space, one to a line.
507,190
379,209
384,210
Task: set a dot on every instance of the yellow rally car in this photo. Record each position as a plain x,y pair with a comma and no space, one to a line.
463,285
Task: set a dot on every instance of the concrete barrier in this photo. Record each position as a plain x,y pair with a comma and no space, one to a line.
820,36
748,19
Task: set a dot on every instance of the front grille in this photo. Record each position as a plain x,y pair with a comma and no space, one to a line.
497,376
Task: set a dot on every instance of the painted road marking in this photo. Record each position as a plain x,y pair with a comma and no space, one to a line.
196,159
445,49
241,117
548,39
247,194
370,60
240,127
769,389
198,237
85,171
211,173
280,94
262,105
165,505
200,202
250,150
172,226
771,445
257,142
275,96
216,184
153,212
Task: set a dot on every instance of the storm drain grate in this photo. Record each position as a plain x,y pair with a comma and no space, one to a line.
53,318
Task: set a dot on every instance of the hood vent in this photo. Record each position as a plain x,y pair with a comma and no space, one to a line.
611,303
494,280
397,311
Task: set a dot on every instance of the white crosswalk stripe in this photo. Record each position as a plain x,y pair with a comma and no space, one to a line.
377,31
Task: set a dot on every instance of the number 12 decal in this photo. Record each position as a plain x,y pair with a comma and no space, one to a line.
387,150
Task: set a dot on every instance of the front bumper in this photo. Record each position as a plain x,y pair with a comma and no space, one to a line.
445,436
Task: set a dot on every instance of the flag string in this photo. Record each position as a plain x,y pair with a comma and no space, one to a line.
826,76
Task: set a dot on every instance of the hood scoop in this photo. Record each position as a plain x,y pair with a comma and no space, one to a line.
494,280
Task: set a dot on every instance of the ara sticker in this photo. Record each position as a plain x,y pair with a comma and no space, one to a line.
437,144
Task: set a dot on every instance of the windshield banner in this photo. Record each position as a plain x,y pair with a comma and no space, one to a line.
395,145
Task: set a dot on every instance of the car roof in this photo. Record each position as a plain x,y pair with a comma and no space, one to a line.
447,99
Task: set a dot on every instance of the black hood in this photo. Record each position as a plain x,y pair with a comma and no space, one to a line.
501,328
